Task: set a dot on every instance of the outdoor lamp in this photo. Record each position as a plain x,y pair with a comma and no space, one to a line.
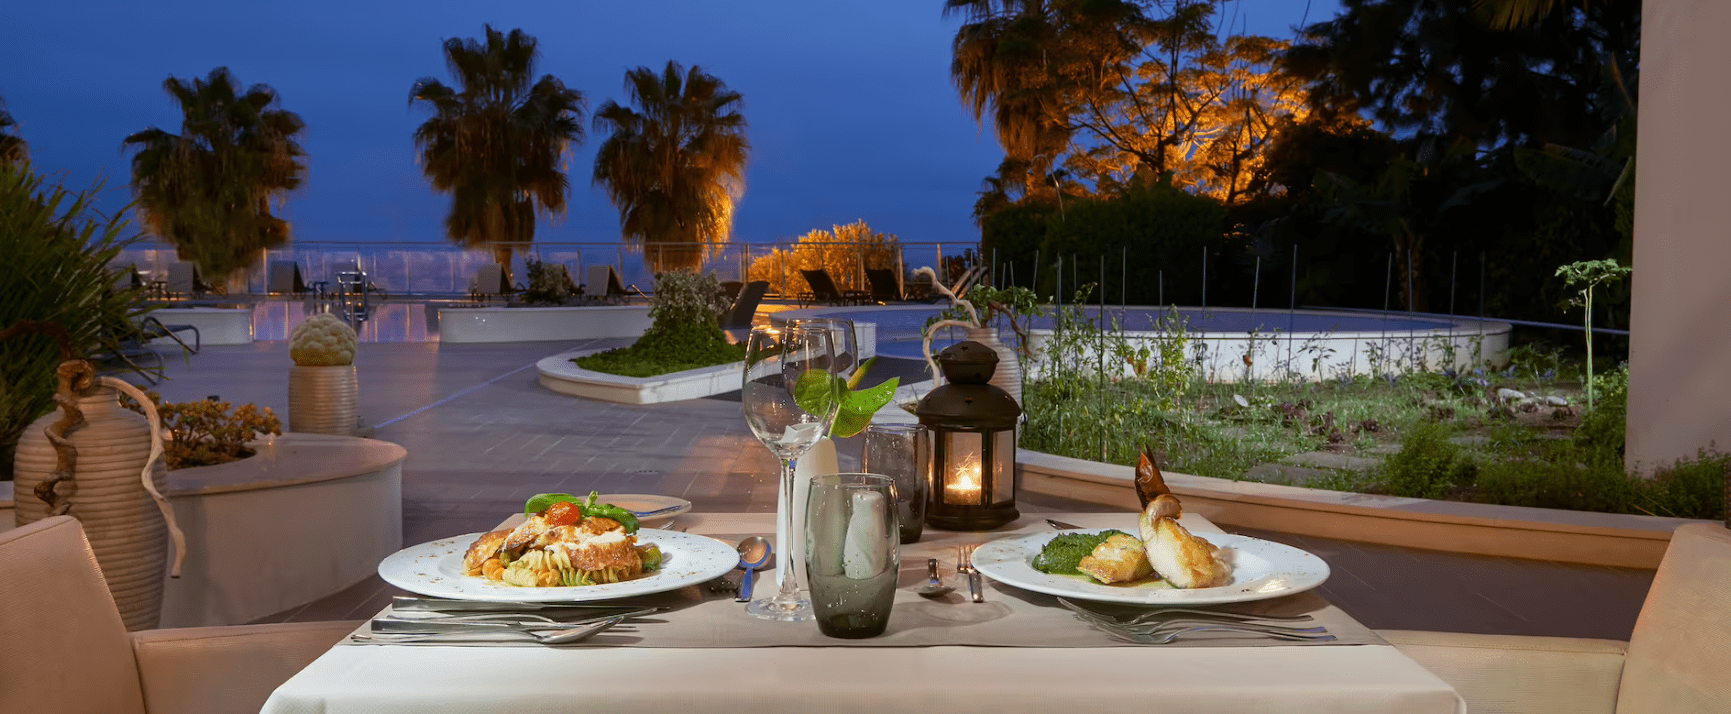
973,427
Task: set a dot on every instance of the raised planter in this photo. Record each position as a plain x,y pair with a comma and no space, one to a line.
216,325
306,517
532,324
1612,539
324,399
561,375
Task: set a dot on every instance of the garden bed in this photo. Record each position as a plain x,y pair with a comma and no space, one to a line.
558,373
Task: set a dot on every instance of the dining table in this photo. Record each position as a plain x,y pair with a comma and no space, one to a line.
945,656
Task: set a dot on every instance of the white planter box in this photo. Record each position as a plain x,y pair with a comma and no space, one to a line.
532,324
216,325
561,375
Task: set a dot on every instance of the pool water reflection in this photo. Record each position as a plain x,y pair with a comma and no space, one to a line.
385,321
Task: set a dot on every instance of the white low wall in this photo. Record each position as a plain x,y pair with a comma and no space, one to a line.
216,325
1314,356
560,374
531,324
305,518
1614,539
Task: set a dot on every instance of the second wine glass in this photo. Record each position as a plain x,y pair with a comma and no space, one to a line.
790,397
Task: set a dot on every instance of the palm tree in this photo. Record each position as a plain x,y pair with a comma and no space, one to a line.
210,189
497,143
675,166
13,150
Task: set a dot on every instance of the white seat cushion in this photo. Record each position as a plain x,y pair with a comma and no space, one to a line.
63,648
1680,654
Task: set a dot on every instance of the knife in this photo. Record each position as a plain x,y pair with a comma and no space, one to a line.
1060,525
387,625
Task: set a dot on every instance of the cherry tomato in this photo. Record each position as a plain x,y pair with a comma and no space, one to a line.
563,513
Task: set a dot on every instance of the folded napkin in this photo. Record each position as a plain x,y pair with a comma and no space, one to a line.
863,553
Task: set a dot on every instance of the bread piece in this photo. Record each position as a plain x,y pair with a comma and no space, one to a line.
1119,559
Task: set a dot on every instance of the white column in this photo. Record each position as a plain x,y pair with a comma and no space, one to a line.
1680,347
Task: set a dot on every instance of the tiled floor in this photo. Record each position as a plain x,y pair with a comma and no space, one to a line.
482,437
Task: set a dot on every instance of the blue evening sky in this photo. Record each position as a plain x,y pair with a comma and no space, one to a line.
851,110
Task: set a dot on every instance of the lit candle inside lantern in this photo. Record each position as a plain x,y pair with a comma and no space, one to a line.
963,485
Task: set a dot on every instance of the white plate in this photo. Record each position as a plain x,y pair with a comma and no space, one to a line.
436,570
647,503
1260,570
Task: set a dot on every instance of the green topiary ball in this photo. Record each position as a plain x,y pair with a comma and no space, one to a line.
323,341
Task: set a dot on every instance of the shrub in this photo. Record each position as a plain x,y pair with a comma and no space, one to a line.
685,333
1602,429
206,432
549,283
1428,465
56,252
1568,477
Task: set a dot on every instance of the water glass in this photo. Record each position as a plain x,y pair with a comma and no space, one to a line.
903,452
852,553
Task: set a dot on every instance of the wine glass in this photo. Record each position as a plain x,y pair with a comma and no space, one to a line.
844,339
790,398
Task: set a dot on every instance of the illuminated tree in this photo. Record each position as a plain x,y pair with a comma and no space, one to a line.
675,165
497,143
845,251
210,190
1110,93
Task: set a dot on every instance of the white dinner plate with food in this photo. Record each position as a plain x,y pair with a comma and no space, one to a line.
436,570
652,511
1260,570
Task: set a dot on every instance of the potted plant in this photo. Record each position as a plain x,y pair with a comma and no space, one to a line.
324,393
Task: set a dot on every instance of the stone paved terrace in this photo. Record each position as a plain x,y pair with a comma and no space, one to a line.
482,436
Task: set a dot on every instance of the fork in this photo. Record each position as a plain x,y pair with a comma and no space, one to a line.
1162,638
1182,622
965,564
1166,614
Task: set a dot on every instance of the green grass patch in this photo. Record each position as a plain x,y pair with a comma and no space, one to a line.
666,349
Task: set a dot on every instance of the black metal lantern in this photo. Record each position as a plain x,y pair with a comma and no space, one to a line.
973,425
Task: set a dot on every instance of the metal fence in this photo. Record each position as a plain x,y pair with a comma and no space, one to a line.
433,269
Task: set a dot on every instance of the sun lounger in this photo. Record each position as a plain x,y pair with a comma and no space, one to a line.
823,289
885,287
745,306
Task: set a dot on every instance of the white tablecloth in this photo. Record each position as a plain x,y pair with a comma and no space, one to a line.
948,680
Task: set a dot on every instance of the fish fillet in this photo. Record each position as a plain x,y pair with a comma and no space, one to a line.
1180,557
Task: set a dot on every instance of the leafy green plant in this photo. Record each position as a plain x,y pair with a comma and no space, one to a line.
1603,428
57,253
207,432
857,405
1584,276
685,334
1428,465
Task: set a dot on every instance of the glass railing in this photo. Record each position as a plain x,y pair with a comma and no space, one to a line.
436,270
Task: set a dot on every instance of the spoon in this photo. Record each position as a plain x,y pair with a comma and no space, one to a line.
754,554
934,588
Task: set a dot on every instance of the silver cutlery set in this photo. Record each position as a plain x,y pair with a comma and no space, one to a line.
434,620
